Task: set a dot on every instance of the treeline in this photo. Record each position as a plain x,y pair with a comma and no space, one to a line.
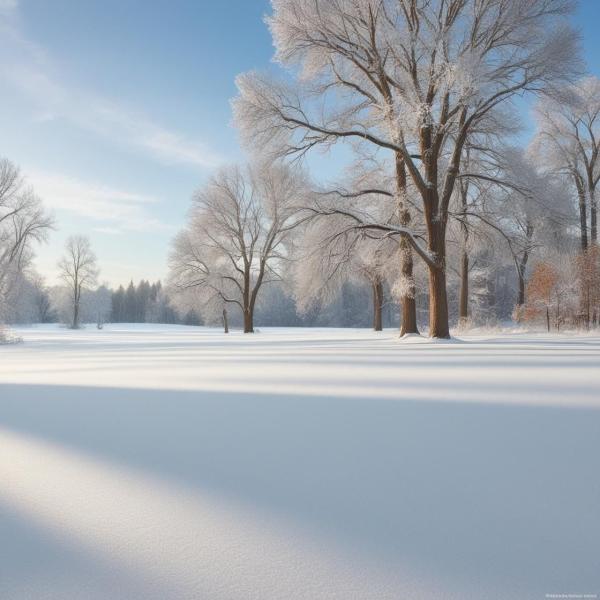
147,303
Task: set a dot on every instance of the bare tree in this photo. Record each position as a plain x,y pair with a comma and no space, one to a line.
22,222
413,77
530,210
238,234
550,291
569,140
79,271
332,251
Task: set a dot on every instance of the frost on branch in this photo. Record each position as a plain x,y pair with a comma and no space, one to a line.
237,239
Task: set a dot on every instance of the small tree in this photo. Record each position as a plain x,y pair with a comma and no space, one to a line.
540,291
549,292
79,271
588,269
237,237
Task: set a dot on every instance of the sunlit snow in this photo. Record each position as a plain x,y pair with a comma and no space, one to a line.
169,462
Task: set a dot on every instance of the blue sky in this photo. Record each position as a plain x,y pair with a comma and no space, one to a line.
117,110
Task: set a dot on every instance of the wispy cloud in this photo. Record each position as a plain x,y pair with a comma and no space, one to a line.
114,211
27,67
8,5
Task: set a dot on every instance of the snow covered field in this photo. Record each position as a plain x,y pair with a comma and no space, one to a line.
169,463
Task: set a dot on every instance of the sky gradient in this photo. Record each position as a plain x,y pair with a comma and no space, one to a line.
117,110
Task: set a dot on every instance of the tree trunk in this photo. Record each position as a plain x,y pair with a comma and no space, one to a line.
377,305
548,319
521,296
225,322
522,266
582,213
587,306
438,298
407,300
436,219
438,304
248,310
248,320
463,302
75,324
76,298
593,219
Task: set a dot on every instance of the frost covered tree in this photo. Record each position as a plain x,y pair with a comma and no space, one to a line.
338,245
534,212
237,237
569,140
412,77
23,221
511,196
333,251
78,270
98,305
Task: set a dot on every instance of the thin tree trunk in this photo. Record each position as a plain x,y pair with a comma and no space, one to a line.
225,322
407,301
377,305
582,213
593,219
75,324
522,266
521,296
463,301
248,309
587,307
76,299
548,318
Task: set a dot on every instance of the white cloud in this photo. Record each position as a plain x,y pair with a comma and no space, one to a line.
109,230
8,5
115,210
26,67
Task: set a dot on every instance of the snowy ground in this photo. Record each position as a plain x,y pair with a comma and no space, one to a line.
173,463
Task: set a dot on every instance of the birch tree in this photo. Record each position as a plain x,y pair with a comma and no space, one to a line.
412,77
237,238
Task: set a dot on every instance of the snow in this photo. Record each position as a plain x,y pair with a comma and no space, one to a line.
170,462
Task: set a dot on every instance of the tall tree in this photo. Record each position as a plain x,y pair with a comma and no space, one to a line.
530,210
413,77
22,222
240,224
569,140
79,271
